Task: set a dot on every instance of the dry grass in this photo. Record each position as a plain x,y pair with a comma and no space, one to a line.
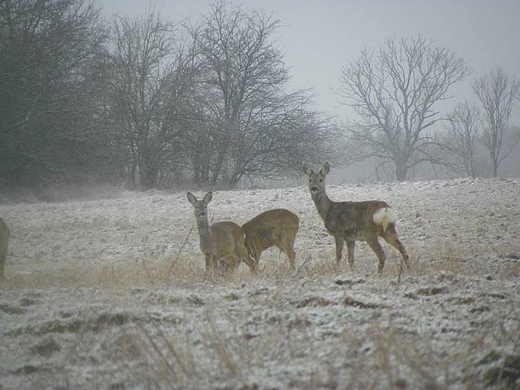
149,271
229,348
141,272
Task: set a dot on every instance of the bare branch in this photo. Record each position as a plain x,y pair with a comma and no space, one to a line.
395,94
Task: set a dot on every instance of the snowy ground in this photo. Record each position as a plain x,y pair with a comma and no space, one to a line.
112,294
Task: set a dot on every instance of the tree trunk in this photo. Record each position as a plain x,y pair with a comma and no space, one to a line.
148,167
494,165
401,171
148,177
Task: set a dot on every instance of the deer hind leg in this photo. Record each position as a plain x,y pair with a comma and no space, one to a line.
228,263
3,256
251,262
287,246
351,247
378,250
210,263
390,236
253,253
221,264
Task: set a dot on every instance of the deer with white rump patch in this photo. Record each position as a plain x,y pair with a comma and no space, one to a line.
222,242
355,221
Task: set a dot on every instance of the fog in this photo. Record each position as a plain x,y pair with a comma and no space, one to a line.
319,37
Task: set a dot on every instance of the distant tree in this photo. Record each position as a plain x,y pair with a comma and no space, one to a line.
253,126
497,92
152,77
47,119
463,134
395,92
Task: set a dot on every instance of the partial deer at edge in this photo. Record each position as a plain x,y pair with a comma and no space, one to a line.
355,221
4,246
222,242
276,227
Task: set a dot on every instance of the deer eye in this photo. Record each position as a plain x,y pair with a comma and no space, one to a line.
321,180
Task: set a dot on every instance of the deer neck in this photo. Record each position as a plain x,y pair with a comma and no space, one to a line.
204,234
323,204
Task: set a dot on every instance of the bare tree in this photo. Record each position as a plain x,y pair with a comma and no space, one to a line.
395,92
253,126
497,92
152,73
463,129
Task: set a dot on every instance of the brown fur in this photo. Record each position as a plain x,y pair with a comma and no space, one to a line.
276,227
223,242
353,221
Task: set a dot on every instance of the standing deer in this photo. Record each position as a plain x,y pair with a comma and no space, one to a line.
222,242
273,227
4,245
355,221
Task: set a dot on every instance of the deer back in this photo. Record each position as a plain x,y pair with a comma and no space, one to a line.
355,217
270,228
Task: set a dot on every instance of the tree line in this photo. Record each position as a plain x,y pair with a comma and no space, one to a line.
146,100
153,103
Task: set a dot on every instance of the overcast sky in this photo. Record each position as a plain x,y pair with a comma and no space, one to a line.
318,37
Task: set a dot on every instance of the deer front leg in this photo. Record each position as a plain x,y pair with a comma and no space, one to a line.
338,238
292,257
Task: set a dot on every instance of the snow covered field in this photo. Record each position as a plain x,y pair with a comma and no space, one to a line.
112,294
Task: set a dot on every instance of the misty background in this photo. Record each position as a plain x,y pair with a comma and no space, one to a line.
204,94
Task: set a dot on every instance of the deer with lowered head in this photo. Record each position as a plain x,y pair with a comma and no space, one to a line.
277,227
349,222
221,242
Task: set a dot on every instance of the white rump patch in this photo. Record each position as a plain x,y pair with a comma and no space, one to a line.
384,216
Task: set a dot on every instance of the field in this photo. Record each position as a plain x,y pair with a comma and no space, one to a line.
111,293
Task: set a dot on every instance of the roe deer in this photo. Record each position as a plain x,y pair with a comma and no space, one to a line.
355,221
223,242
273,227
4,245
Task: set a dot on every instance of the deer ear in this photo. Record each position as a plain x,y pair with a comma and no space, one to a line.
325,169
307,170
191,198
208,197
